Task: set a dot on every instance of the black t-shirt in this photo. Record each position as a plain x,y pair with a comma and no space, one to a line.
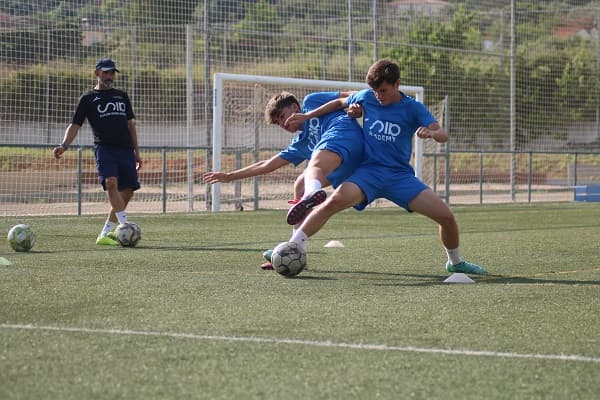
108,112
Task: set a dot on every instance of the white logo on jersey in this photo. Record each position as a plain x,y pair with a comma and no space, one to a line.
314,129
111,107
384,131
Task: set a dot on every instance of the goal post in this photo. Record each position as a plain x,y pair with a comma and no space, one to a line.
238,107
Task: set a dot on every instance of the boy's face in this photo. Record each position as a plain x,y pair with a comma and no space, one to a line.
387,93
284,115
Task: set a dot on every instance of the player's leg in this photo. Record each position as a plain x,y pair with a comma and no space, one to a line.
106,236
346,195
298,192
107,167
321,164
128,181
429,204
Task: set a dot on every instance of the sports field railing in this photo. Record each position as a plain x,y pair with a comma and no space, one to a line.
33,182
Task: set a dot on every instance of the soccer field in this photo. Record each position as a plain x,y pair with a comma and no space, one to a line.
189,314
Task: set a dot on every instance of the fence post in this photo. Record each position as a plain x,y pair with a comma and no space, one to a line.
530,177
480,177
79,180
164,180
575,170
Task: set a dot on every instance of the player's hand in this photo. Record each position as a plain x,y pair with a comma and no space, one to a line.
58,151
296,119
138,164
424,133
355,110
214,177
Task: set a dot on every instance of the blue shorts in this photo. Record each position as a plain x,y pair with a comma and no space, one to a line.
378,182
118,162
345,140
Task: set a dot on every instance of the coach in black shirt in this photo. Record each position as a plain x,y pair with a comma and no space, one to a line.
111,117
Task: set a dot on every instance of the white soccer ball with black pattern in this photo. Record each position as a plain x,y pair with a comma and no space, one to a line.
128,234
21,237
288,259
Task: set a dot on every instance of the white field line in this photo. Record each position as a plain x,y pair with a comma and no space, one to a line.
315,343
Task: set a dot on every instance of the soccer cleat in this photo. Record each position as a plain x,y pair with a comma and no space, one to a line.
466,268
298,212
112,235
106,241
267,254
266,265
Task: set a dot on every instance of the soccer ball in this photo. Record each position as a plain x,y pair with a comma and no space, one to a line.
288,259
21,237
128,234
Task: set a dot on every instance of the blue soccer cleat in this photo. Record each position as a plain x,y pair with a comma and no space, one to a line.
466,268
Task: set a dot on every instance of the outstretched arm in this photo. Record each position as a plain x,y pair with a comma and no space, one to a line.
258,168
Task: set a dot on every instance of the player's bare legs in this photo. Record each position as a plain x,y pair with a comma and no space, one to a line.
118,202
429,204
346,195
321,164
126,195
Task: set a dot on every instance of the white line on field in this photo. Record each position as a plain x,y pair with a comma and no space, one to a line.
316,343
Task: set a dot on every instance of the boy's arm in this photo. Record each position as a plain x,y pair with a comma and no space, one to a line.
258,168
433,131
331,106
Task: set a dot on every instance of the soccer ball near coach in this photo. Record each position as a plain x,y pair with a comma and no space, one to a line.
128,234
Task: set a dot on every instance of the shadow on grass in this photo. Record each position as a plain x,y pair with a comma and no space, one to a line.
412,279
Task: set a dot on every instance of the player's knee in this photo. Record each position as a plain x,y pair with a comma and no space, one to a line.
111,183
336,203
447,219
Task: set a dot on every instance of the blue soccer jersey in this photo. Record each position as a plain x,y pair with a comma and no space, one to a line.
388,130
334,132
388,133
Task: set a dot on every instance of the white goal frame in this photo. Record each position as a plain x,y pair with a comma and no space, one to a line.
221,78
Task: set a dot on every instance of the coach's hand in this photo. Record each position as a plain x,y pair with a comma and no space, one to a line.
58,151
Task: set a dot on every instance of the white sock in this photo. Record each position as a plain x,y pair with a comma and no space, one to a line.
454,256
310,186
300,238
109,226
121,216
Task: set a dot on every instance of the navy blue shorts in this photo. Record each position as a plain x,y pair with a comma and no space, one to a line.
118,162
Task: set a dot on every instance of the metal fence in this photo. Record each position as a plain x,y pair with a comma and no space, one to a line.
521,79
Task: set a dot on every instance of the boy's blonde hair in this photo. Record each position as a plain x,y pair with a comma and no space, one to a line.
276,104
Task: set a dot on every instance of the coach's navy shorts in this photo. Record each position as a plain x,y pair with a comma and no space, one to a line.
119,162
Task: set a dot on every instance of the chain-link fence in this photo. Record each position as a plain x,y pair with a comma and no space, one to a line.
518,81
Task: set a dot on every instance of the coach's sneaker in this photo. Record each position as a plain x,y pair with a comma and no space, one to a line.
466,268
298,212
106,240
